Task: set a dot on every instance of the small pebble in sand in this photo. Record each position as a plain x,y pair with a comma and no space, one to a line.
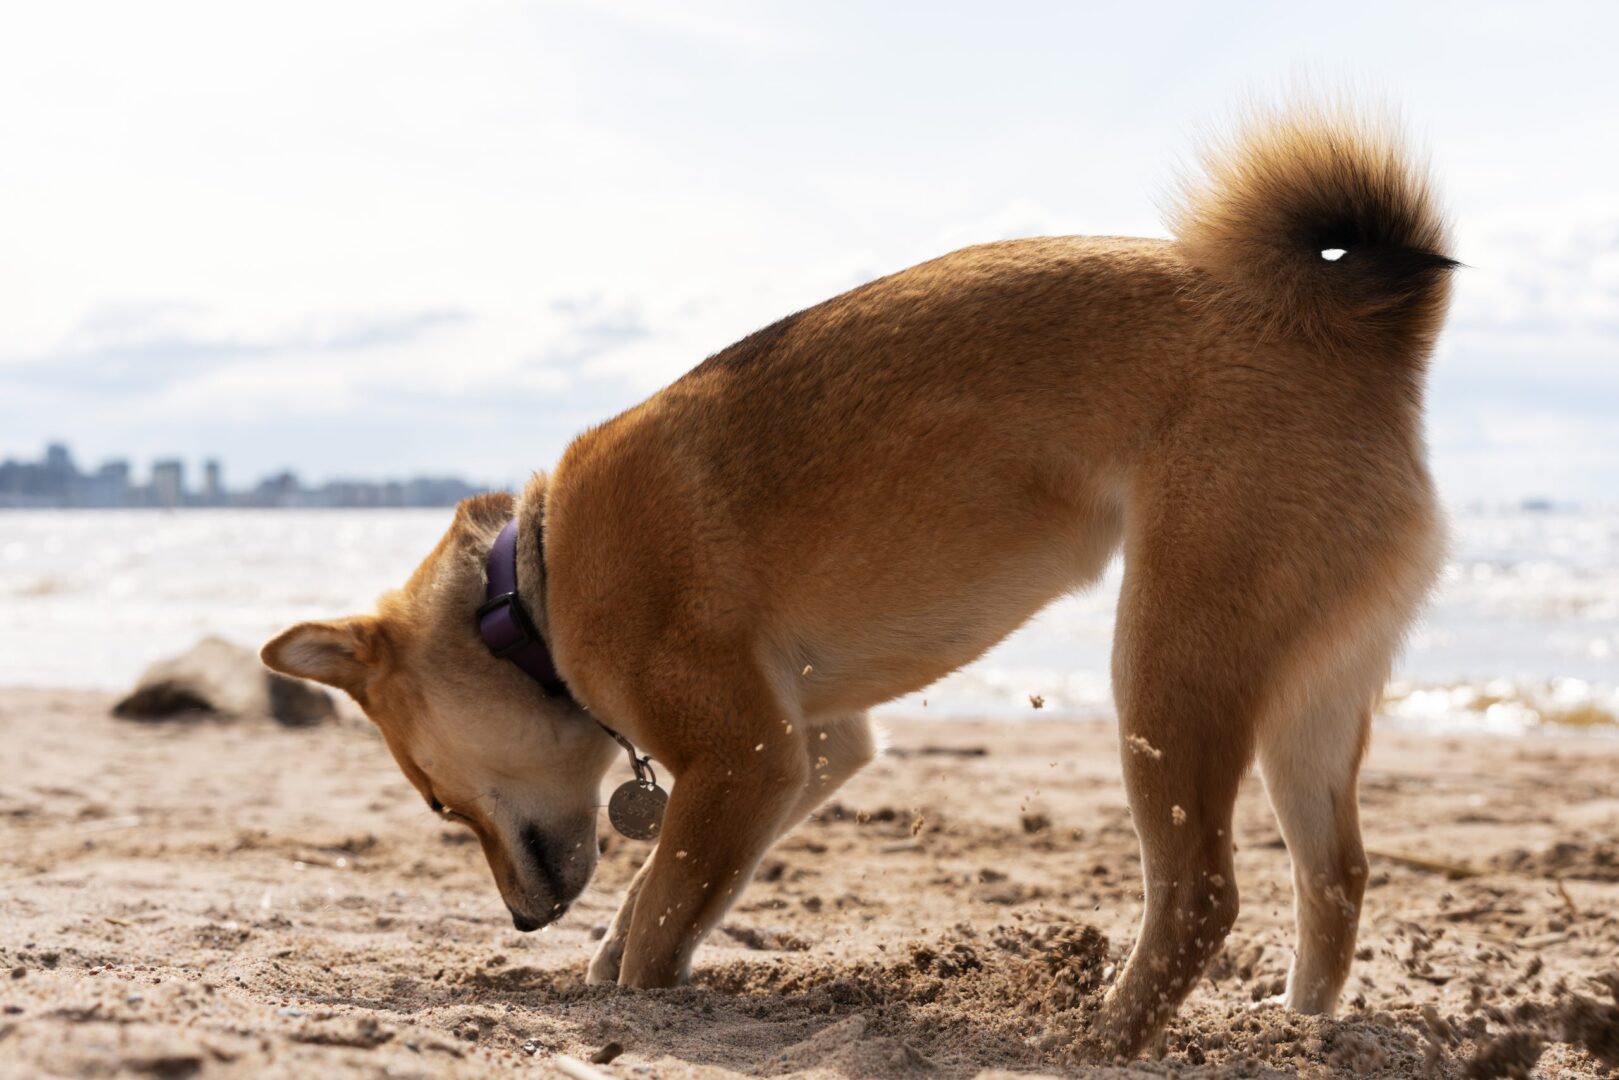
606,1053
1037,701
18,972
1177,815
1138,745
1034,823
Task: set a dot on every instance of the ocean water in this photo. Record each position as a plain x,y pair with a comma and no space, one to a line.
1523,631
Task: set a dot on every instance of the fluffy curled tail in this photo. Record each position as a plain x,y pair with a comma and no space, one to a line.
1278,201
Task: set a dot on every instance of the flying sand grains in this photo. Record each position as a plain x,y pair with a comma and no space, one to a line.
1037,701
1138,745
1177,815
809,669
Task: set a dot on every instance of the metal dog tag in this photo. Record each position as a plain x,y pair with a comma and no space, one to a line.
636,809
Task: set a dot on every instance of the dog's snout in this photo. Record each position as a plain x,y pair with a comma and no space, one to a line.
544,859
548,875
526,925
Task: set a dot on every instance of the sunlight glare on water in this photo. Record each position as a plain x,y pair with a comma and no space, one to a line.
1523,629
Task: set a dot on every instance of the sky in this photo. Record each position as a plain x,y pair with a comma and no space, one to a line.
386,239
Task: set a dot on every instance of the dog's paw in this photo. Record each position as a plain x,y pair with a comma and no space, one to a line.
604,965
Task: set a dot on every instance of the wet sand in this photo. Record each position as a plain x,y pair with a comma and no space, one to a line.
211,899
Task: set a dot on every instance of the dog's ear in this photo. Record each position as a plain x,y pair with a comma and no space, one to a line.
345,653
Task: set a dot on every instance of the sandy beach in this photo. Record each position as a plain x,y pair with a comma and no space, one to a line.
235,899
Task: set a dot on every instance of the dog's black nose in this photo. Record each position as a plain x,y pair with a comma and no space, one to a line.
524,925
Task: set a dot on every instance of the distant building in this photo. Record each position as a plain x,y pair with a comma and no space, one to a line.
213,487
60,472
108,487
168,483
20,484
274,490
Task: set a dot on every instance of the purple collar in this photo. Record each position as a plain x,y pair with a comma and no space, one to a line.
505,624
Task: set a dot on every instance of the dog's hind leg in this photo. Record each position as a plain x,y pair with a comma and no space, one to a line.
1182,791
1310,751
1185,665
1310,770
1242,633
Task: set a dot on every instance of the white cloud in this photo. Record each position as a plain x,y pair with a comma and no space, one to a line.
1543,271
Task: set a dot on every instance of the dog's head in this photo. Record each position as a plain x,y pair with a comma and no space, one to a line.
474,734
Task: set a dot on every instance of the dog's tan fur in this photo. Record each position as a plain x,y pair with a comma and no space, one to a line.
855,501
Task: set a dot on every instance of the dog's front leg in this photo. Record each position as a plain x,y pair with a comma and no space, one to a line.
724,812
834,750
609,955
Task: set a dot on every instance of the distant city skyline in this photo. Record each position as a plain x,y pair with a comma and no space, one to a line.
55,481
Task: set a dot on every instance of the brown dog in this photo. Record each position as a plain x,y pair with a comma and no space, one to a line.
847,505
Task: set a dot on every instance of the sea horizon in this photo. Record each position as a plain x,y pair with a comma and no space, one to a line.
1522,630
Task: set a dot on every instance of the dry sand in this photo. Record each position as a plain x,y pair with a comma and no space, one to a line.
242,900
